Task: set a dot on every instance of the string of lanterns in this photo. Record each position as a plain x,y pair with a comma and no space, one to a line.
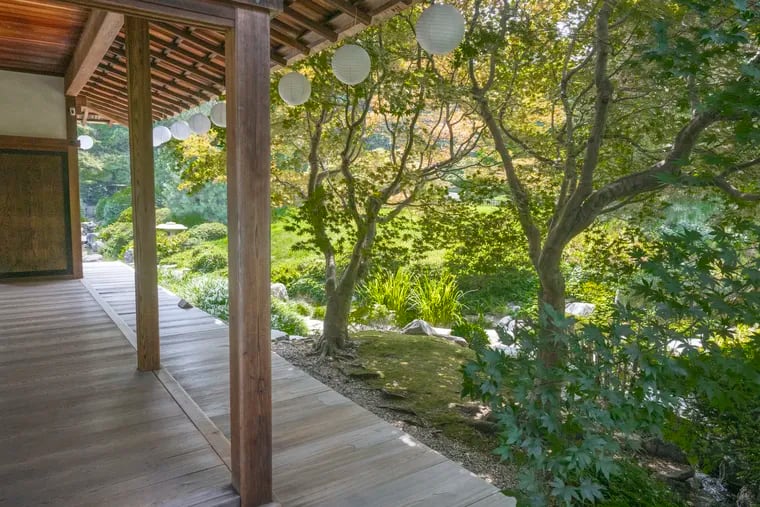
198,124
439,30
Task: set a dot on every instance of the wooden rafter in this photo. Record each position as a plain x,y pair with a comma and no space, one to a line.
348,8
98,35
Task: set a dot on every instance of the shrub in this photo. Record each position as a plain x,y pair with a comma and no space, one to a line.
125,216
208,259
285,318
302,307
391,291
163,215
208,231
437,299
117,238
211,294
473,333
319,312
167,246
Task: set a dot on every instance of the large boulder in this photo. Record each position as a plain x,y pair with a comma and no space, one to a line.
458,340
419,327
580,309
279,291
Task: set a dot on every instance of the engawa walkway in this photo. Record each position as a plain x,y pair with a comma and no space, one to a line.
328,451
79,426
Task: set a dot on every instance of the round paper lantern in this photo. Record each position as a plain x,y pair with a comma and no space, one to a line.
219,114
181,130
440,29
200,124
294,88
85,142
161,135
351,64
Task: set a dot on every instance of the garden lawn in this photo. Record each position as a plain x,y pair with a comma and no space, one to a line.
426,370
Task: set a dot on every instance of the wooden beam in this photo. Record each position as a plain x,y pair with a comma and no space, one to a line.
348,8
309,24
212,14
97,36
143,193
248,163
285,40
73,163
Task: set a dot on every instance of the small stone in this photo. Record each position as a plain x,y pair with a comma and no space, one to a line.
279,291
185,305
393,395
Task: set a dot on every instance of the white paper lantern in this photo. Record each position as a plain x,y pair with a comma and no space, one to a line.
351,64
161,135
85,142
200,124
440,29
181,130
294,88
219,114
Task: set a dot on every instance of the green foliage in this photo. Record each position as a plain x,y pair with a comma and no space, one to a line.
391,291
163,215
166,245
473,333
572,420
208,259
117,238
286,318
109,208
303,279
635,487
210,293
437,299
319,312
302,308
208,231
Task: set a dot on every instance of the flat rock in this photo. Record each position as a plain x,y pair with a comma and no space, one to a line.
92,258
454,339
278,335
418,327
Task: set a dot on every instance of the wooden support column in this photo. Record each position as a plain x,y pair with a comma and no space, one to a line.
248,164
73,164
143,193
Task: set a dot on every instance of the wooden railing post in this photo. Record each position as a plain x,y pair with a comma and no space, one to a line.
248,163
143,193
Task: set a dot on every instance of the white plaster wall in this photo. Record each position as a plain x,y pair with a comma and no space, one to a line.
32,105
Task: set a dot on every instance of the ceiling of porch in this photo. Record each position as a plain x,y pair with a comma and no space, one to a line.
187,62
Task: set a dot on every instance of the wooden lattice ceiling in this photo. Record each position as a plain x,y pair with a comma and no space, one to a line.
187,62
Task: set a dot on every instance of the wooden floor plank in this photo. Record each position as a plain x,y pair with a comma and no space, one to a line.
78,424
327,449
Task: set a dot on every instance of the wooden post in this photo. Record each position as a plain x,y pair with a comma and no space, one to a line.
143,193
73,163
248,163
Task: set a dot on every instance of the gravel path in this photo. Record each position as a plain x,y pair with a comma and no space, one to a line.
485,465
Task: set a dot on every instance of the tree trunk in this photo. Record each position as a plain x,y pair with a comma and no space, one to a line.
335,332
551,294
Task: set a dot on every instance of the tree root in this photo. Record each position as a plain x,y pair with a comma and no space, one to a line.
324,349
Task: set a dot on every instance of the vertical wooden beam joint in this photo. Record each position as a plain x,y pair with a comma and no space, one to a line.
248,164
73,168
143,193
